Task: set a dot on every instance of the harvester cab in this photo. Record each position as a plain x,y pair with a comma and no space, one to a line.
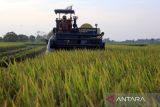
67,35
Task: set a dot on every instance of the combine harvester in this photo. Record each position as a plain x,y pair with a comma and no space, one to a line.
67,35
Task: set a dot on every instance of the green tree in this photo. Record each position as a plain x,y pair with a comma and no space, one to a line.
32,38
49,35
10,37
23,38
1,39
40,38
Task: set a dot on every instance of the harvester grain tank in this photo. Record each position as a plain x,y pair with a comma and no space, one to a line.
67,35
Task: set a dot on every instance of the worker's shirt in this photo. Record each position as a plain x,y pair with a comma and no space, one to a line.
64,26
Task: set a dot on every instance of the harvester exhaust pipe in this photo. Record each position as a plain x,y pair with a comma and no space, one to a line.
75,22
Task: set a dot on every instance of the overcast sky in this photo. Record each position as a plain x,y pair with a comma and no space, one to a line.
119,19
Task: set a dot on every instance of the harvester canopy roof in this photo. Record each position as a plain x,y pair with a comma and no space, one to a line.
64,11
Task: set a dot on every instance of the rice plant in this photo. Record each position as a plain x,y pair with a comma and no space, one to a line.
80,78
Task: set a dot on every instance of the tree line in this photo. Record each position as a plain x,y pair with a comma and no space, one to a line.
13,37
138,41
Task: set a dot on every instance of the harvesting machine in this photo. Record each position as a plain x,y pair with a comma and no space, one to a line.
67,35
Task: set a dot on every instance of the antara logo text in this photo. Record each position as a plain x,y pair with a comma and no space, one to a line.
130,99
113,99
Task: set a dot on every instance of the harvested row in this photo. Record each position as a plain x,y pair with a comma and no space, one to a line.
7,53
6,47
10,52
10,48
21,54
10,44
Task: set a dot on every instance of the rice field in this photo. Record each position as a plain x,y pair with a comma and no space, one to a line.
81,78
4,44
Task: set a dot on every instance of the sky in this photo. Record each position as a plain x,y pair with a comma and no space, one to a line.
119,19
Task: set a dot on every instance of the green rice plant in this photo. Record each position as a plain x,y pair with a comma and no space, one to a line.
80,78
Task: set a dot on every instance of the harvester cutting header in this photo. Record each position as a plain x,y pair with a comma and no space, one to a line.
67,35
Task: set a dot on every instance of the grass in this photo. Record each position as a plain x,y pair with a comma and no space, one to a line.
81,78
